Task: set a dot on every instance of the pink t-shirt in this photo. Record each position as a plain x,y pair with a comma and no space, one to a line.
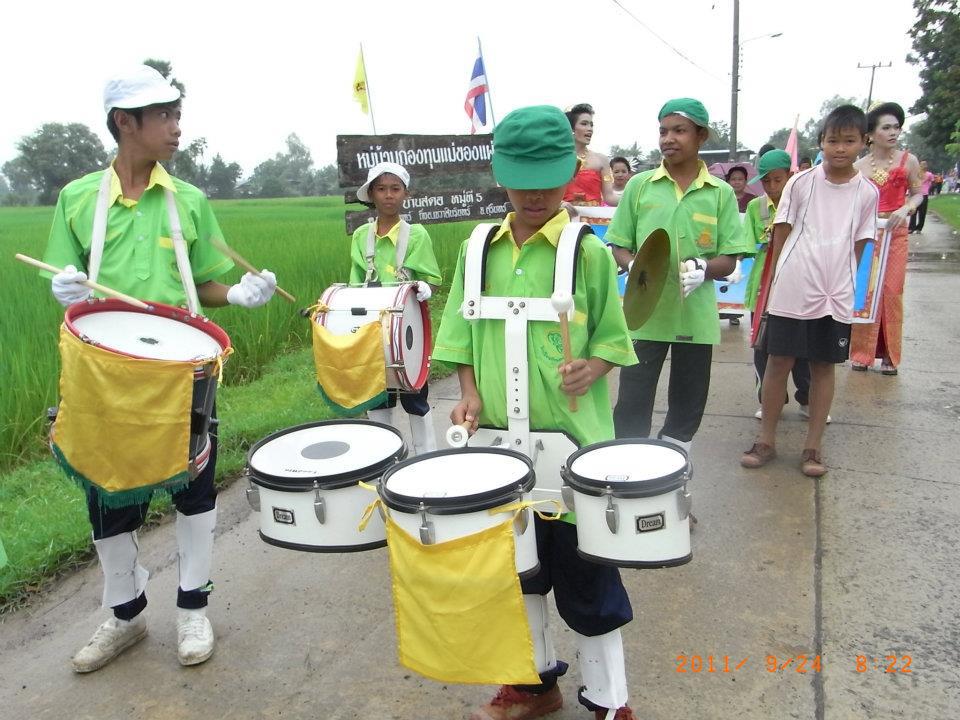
926,183
817,266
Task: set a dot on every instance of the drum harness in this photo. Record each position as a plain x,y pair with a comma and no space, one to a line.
403,239
516,312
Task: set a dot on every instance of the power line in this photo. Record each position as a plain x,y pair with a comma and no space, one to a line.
677,51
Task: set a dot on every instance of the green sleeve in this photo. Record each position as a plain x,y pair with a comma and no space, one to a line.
62,246
753,226
420,257
622,230
454,338
609,338
358,262
207,262
731,239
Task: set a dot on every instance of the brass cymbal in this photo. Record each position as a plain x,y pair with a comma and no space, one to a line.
647,279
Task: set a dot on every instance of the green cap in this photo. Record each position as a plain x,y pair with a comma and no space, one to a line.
692,110
772,160
533,149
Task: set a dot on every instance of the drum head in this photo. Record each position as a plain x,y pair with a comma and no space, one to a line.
412,340
633,468
455,480
332,453
146,335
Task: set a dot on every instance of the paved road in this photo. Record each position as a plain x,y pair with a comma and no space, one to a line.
862,563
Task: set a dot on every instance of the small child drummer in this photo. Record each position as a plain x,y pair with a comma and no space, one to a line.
389,250
534,159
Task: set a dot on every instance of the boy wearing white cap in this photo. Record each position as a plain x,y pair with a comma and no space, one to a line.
118,226
389,250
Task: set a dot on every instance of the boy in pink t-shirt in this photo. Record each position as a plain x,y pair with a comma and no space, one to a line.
825,216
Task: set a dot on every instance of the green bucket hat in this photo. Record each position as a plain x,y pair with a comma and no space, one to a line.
533,149
772,160
692,110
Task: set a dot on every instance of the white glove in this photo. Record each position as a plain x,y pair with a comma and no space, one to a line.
253,290
67,288
695,271
423,291
737,274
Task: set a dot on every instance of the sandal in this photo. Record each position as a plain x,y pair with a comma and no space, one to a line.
886,369
811,463
858,367
758,455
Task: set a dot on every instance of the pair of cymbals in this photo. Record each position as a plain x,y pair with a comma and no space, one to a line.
647,278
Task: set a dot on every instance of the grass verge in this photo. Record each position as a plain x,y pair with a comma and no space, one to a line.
947,208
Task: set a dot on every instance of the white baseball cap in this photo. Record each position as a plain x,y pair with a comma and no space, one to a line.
378,170
137,87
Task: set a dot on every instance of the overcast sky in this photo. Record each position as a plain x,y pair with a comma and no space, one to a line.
257,71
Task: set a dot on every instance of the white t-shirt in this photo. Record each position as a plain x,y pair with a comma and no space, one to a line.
817,266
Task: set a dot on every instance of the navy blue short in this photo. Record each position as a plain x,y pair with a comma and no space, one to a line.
821,340
414,403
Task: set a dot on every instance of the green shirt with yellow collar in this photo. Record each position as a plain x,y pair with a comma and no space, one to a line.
758,232
598,329
419,259
138,257
702,222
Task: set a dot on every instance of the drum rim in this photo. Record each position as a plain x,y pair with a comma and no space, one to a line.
337,481
464,503
198,322
418,382
631,488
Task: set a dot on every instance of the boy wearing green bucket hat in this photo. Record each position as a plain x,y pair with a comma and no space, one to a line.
534,159
700,214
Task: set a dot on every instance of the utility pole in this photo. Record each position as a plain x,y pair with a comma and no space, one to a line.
873,71
735,75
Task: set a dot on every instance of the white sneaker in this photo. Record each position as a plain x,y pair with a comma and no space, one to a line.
110,639
759,414
194,636
805,414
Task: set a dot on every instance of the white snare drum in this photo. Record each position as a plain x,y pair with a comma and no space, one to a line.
405,325
446,494
631,501
304,481
163,332
549,452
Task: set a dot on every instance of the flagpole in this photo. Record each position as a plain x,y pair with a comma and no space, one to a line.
486,73
366,76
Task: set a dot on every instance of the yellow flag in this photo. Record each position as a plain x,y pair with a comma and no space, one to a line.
360,85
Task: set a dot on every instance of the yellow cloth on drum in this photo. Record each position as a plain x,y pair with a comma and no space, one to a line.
459,608
123,426
351,370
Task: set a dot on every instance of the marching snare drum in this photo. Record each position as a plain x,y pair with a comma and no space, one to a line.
446,494
404,319
631,502
305,482
163,332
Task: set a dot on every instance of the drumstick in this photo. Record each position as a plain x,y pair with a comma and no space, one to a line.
89,283
457,435
562,302
246,265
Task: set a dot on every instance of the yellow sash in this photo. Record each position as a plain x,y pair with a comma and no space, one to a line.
123,426
351,370
459,608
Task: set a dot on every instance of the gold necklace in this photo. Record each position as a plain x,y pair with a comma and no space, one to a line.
880,175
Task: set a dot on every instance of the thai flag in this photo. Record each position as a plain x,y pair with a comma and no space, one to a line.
476,103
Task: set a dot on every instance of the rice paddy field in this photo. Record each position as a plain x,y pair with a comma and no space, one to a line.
268,384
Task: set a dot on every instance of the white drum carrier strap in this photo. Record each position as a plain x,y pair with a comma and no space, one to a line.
516,312
403,240
99,235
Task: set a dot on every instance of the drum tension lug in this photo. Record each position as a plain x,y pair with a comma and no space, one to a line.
428,535
536,451
684,503
318,505
253,497
612,516
522,519
567,494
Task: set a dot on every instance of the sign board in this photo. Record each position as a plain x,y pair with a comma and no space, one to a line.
443,206
419,154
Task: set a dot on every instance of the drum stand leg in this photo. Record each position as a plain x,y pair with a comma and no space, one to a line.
602,669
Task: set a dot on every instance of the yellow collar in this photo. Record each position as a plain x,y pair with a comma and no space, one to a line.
703,176
550,231
393,233
158,176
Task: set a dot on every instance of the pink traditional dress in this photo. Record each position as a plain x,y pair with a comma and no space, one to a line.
883,338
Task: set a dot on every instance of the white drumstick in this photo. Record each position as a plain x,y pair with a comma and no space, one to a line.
457,435
88,283
562,302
